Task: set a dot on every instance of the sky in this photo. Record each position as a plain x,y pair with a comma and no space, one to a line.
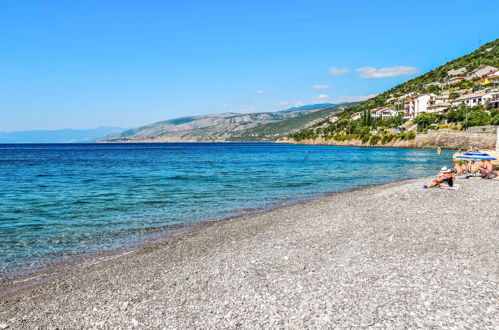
85,64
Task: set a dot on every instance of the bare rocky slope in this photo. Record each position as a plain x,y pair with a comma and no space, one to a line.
261,126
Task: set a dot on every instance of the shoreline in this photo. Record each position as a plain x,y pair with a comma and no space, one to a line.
53,270
336,260
432,140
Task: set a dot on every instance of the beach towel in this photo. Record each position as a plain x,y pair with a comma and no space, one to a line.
455,187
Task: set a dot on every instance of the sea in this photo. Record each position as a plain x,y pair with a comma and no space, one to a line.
60,201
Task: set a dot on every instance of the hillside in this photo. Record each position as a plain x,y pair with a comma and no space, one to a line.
357,123
262,126
281,129
488,54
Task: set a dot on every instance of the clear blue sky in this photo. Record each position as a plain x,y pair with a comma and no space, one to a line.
83,64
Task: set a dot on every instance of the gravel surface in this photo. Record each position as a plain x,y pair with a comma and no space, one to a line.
391,256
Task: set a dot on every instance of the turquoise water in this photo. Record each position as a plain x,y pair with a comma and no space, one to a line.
71,199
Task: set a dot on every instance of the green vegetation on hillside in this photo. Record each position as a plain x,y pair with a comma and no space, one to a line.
462,117
366,129
488,54
280,129
372,130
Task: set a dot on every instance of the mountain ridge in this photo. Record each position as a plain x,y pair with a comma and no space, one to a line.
215,127
66,135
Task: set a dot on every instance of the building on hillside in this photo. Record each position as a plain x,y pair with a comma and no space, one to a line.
491,98
454,80
439,108
405,96
356,115
418,105
455,72
439,104
470,100
333,119
384,112
409,108
480,72
492,79
493,73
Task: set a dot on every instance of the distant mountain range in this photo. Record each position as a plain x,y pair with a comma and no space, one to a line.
58,136
226,127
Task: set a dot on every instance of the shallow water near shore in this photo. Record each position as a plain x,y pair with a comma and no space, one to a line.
63,200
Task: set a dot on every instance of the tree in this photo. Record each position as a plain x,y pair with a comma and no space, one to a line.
393,122
457,115
366,118
433,89
477,118
424,121
495,117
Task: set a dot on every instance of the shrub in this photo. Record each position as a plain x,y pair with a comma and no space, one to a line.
365,138
374,139
495,117
477,118
387,138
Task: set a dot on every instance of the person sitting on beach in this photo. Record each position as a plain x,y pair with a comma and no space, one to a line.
470,164
486,170
458,168
445,180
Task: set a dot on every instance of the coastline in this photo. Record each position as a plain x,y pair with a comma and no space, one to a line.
431,140
335,260
50,271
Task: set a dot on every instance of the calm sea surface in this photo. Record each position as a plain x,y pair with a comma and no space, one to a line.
62,200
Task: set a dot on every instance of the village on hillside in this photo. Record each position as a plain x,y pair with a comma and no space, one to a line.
478,88
458,99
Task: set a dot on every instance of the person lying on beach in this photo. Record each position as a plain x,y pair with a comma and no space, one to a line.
486,170
445,180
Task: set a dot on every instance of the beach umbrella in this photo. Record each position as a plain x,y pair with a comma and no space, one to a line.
476,156
476,153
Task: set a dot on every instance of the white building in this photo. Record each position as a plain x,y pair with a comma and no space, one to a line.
454,80
491,98
439,108
418,105
411,94
493,74
356,116
384,112
480,72
469,100
439,104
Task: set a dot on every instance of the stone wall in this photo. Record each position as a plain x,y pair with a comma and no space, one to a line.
447,139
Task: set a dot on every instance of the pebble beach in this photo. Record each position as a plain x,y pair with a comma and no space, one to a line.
389,256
